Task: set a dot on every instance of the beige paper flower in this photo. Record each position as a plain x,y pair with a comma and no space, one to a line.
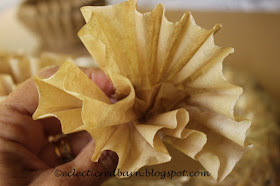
170,87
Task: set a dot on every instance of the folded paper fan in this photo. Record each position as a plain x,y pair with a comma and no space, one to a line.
169,83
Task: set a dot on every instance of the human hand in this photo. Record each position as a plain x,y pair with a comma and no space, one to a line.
26,155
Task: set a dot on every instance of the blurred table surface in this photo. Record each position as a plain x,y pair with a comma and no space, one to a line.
255,37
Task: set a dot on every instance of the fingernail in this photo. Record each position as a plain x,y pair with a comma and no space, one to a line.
98,78
92,76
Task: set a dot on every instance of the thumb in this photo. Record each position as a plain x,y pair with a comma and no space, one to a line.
107,162
91,172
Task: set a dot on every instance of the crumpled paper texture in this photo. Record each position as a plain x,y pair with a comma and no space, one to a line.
169,85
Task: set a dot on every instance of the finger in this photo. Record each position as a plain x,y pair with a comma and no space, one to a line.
17,163
101,80
78,141
49,156
51,126
16,124
107,163
21,129
10,150
68,174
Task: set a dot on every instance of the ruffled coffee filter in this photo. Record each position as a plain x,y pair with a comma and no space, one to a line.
170,90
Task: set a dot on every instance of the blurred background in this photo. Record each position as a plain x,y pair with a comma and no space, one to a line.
217,5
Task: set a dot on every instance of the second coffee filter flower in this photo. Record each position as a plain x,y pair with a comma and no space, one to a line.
56,23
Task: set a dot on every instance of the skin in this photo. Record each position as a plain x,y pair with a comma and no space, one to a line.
26,156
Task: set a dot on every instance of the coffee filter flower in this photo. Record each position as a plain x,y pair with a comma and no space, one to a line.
169,83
